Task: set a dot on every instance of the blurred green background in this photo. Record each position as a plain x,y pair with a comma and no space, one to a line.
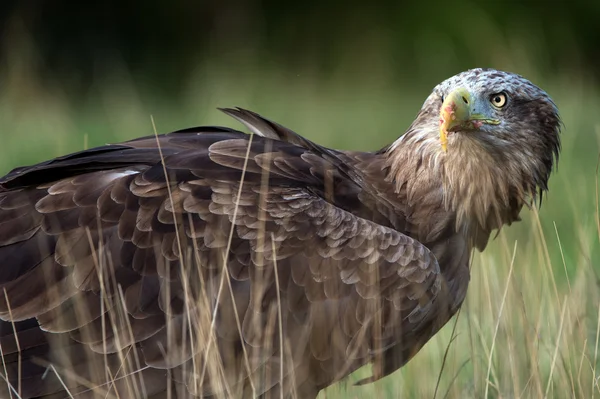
349,75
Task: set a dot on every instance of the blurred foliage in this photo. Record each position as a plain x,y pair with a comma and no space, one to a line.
162,44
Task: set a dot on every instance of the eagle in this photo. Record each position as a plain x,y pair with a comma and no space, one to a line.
209,262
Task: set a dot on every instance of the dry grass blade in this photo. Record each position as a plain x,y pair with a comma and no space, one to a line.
455,377
489,367
560,330
280,324
11,389
226,278
170,332
51,367
594,382
452,336
562,255
547,259
597,213
19,358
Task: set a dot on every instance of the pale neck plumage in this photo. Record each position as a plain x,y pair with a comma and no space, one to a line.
480,191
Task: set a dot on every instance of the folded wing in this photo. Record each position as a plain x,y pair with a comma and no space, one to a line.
223,263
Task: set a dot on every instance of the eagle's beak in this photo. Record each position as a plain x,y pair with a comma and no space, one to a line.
457,113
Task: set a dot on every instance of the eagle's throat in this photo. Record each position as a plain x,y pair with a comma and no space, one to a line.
465,186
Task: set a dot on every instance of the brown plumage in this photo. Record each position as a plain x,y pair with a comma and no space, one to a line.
209,262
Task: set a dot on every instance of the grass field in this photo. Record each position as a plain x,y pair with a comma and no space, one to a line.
530,325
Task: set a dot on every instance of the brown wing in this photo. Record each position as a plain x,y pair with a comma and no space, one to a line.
114,273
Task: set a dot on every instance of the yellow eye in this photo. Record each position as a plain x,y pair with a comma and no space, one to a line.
498,100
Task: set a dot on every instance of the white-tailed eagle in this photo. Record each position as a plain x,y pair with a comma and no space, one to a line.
210,262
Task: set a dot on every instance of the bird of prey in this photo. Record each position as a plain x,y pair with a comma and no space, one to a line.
209,262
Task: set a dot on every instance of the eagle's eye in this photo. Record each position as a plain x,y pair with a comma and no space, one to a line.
498,100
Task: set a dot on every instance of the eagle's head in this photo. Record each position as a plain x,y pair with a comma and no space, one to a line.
491,138
500,109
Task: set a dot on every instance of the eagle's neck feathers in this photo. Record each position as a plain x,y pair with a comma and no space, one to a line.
480,192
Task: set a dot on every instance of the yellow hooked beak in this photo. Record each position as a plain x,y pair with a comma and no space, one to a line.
457,114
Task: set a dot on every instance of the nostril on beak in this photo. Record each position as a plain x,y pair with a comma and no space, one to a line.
465,100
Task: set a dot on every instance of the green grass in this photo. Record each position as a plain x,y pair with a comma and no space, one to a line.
529,327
